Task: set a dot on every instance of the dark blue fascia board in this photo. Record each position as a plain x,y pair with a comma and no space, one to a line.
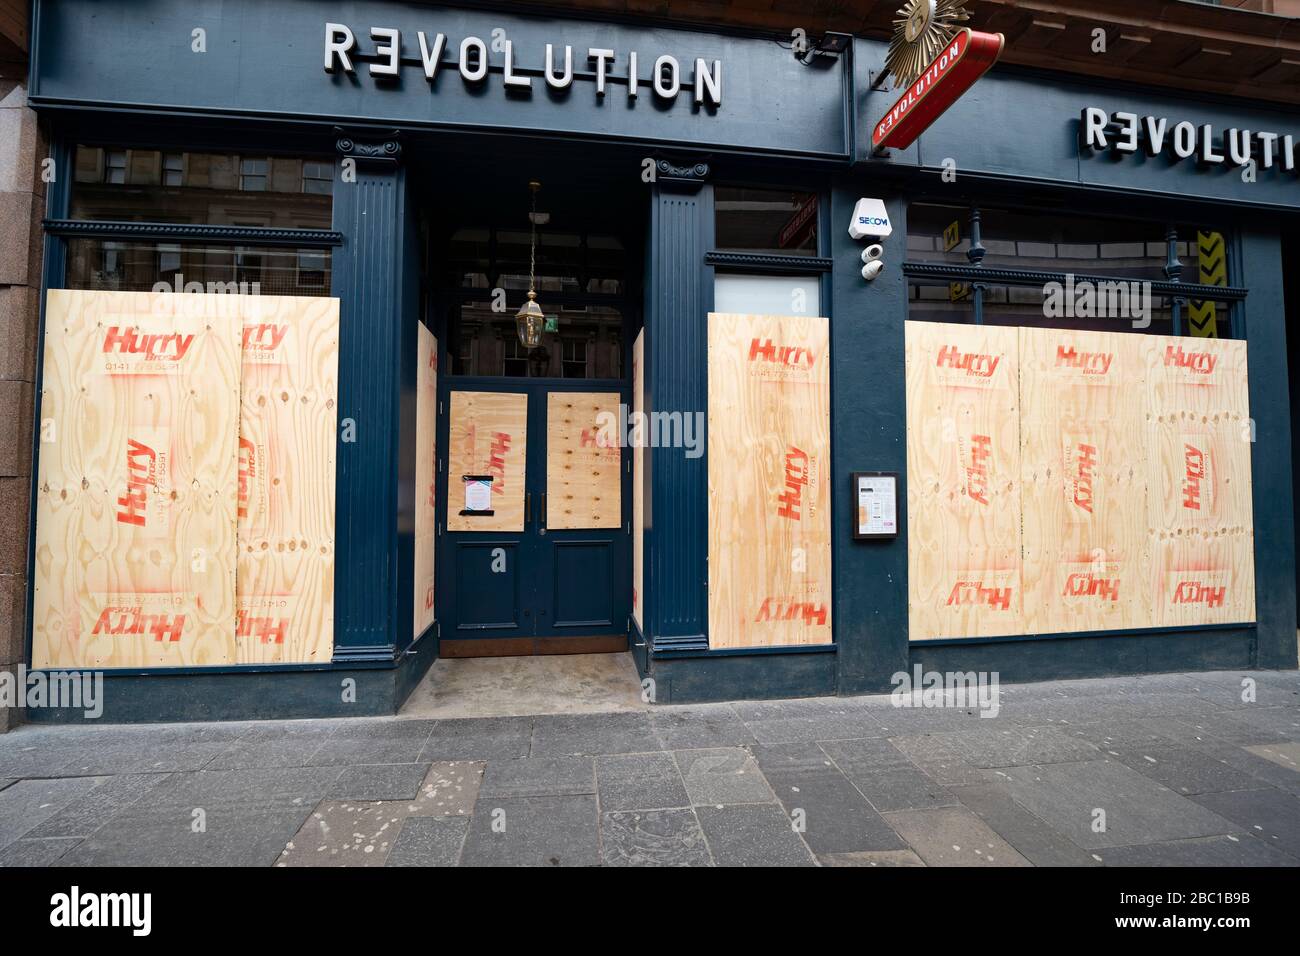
265,59
1023,124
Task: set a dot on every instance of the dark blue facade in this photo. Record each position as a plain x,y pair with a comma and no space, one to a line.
127,72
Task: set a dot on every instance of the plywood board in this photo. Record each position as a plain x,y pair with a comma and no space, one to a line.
1083,467
488,435
426,477
584,460
136,500
287,441
638,480
964,481
769,481
1200,504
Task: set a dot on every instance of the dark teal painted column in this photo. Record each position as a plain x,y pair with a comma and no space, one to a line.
679,295
368,197
868,433
1260,260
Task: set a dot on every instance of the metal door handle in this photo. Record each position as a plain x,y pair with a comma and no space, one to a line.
528,507
543,519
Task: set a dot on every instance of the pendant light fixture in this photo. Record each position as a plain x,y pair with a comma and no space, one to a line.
529,320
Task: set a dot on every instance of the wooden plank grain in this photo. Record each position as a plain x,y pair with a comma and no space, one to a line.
136,494
287,451
769,480
583,461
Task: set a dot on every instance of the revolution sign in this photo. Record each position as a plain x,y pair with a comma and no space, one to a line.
950,74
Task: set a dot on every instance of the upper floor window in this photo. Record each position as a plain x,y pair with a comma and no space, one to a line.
149,185
765,221
253,174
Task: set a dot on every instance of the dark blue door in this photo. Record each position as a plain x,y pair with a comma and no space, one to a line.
552,558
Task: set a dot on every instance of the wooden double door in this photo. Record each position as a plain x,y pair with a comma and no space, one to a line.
536,511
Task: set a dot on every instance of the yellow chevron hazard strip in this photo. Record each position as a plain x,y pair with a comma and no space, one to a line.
1202,316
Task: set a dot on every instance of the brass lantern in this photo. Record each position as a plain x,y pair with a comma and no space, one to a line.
529,320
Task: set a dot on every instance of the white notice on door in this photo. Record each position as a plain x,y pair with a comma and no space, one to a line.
478,494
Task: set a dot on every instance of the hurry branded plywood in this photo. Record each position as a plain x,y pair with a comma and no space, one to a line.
1200,502
638,479
287,441
426,477
136,494
1083,490
769,481
583,460
963,487
488,435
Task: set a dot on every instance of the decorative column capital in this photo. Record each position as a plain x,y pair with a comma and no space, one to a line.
379,152
681,175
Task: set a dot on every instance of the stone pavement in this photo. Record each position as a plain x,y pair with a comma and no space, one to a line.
1185,772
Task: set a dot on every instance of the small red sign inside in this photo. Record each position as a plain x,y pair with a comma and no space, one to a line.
950,74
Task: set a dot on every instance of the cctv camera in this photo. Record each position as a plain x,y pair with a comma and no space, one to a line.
873,252
872,269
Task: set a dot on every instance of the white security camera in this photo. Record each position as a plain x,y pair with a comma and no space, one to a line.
872,269
870,218
873,252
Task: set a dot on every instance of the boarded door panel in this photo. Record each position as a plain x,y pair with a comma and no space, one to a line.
1083,463
638,478
583,461
287,442
1200,502
426,483
136,500
488,435
963,488
769,481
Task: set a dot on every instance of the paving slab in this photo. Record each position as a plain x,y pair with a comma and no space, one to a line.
260,789
86,814
1029,836
1235,727
29,803
812,719
288,743
538,777
1270,815
1261,769
832,814
346,833
885,776
1286,756
147,835
429,841
1137,809
1009,746
533,831
1228,851
938,760
670,837
36,852
1184,770
591,734
640,782
375,782
755,835
481,738
882,858
374,741
953,836
450,789
722,776
699,727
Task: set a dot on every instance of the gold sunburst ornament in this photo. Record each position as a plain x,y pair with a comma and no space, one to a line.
921,30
